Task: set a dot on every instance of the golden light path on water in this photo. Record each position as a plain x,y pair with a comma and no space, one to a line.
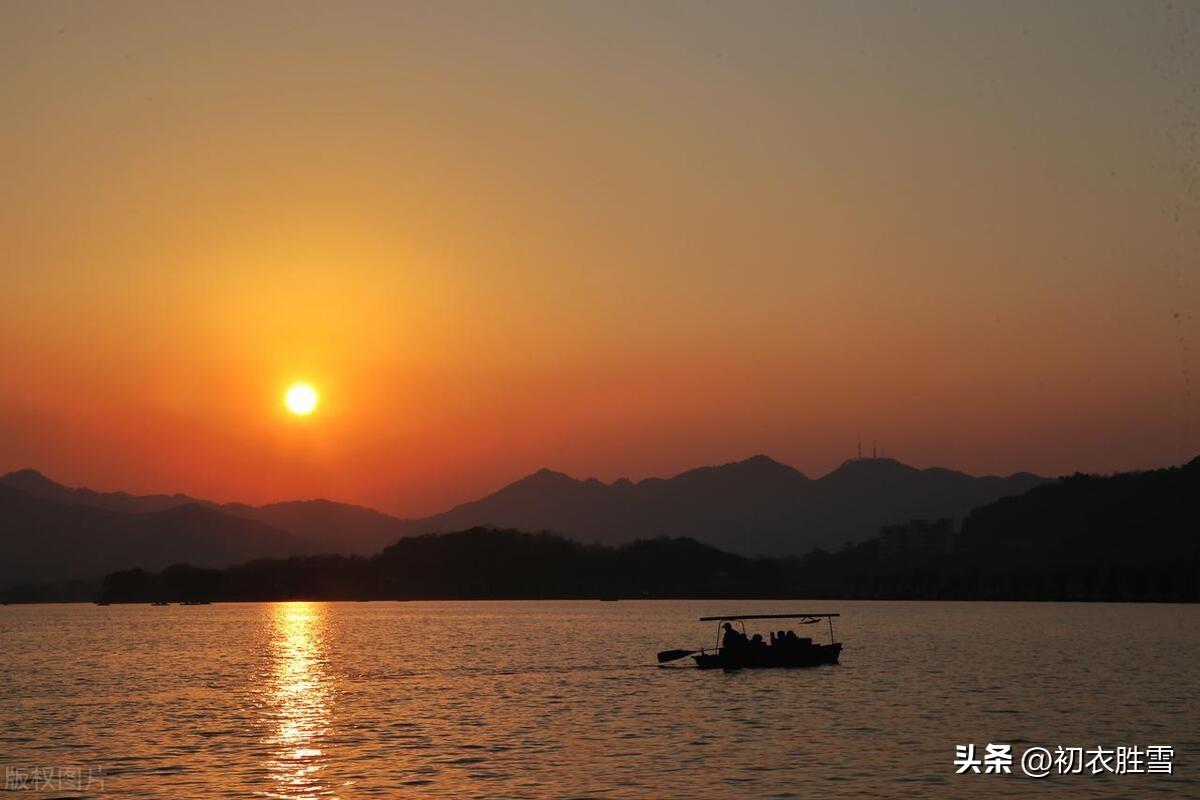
301,698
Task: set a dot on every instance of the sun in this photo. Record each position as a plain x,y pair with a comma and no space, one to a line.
300,399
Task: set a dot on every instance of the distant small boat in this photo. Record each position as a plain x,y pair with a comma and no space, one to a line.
195,603
734,650
101,602
160,603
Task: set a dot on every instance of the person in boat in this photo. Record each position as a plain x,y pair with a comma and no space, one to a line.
732,640
757,642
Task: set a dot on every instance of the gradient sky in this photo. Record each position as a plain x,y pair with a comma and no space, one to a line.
613,238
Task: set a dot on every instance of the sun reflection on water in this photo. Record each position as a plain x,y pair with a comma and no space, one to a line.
300,696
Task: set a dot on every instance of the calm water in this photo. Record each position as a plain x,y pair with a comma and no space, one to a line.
553,699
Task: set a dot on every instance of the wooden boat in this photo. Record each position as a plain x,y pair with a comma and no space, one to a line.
735,650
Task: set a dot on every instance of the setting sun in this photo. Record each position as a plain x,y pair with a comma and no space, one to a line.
301,399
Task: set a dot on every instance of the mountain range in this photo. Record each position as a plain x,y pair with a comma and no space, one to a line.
320,525
1128,537
752,507
49,531
43,540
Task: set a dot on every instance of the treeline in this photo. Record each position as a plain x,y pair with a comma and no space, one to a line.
479,563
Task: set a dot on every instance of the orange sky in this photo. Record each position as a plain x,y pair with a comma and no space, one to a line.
617,240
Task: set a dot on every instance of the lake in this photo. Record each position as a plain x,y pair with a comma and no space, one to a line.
563,699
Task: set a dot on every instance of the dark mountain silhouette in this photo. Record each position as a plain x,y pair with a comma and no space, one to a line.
35,483
329,526
756,506
472,564
333,527
1127,537
1130,519
44,540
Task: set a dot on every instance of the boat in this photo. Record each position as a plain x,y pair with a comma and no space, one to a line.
742,652
160,603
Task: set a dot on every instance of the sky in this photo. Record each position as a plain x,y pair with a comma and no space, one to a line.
617,239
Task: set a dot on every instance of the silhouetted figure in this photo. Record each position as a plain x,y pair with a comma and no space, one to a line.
732,640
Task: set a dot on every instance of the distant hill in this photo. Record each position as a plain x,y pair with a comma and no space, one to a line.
328,526
1128,519
332,527
1127,537
44,540
35,483
756,506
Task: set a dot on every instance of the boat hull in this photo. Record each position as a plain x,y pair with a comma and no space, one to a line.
811,656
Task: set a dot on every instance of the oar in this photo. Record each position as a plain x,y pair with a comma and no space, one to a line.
674,655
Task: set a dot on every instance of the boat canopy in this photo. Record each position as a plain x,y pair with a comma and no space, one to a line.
765,616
